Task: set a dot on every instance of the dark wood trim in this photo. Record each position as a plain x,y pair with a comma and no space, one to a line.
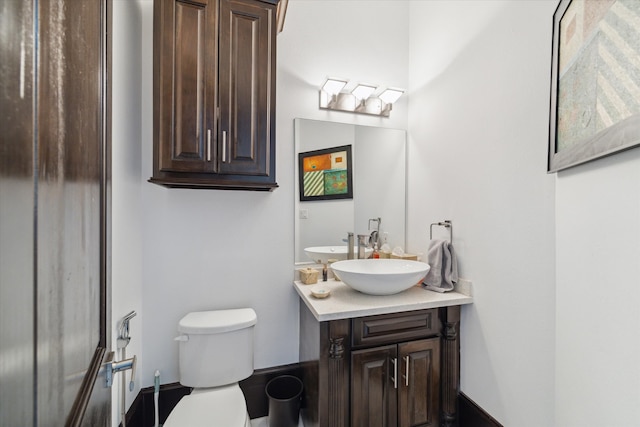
141,412
471,415
450,371
336,356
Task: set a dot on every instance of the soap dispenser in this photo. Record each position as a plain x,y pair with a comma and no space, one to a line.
376,254
385,249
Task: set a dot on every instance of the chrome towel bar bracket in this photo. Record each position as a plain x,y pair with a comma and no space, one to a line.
446,224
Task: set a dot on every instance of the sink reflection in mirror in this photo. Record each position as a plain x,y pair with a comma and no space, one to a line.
379,186
322,254
380,276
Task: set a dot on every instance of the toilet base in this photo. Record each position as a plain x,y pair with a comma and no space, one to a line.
211,407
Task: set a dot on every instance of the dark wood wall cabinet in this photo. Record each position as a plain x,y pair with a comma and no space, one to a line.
387,370
214,80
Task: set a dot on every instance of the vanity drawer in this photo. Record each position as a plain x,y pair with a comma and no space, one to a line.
393,328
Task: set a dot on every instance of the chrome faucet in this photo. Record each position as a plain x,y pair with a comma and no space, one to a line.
373,239
350,245
123,330
362,244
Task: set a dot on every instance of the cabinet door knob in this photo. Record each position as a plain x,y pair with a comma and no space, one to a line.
208,145
395,372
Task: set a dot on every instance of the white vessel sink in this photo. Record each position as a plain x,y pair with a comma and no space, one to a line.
380,276
322,254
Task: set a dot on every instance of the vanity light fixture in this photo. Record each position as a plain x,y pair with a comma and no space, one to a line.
361,93
390,96
360,99
330,90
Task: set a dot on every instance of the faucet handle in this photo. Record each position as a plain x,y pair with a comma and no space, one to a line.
349,237
133,373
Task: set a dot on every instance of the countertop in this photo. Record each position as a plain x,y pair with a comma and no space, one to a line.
346,303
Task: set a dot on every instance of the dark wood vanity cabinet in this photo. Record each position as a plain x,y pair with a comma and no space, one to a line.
214,94
396,385
389,370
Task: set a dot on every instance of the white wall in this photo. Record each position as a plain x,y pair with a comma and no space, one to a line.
126,259
478,117
598,294
206,249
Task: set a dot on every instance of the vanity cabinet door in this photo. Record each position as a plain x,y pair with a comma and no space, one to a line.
396,385
419,388
373,393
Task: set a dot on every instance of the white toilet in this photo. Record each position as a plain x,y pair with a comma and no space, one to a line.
216,351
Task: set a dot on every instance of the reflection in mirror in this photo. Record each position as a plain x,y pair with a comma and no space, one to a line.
379,186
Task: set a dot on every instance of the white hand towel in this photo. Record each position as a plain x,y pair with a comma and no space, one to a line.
444,267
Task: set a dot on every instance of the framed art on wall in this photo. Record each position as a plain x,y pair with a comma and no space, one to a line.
595,81
326,174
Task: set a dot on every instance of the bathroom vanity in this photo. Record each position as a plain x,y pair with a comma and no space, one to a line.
371,360
380,360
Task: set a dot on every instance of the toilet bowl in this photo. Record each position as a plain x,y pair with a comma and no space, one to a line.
216,407
215,353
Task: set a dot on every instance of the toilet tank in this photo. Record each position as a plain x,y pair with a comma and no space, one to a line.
216,347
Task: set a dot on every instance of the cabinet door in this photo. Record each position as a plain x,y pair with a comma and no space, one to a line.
373,393
185,60
247,88
419,383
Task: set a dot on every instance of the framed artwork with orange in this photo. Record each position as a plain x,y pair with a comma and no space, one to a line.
326,174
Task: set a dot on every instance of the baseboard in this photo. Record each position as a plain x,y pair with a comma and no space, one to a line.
141,413
142,410
253,387
472,415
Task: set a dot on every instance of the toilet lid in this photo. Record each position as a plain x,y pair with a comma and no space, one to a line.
212,407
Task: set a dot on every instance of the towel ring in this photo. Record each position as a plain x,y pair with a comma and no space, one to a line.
446,224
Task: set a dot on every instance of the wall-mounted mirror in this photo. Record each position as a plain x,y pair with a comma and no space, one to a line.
378,179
